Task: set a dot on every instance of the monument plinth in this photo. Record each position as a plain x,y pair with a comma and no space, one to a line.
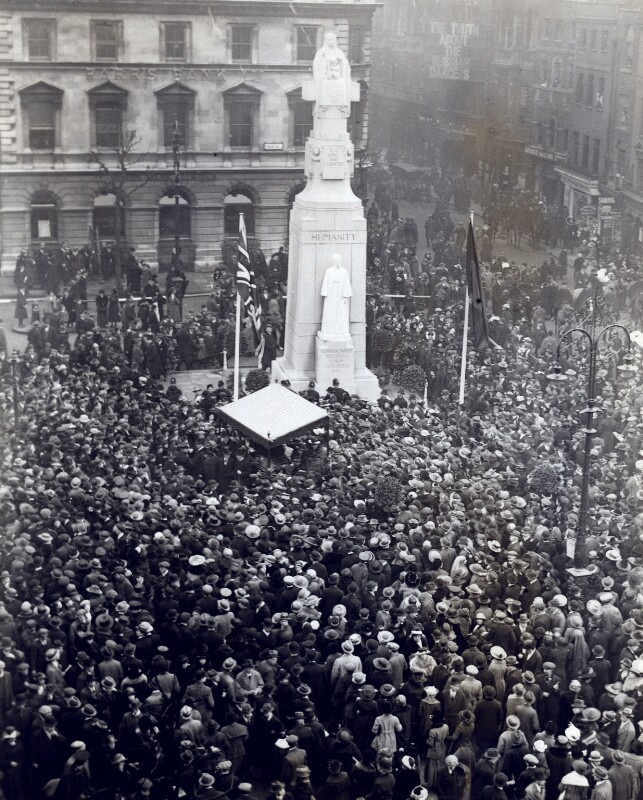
326,332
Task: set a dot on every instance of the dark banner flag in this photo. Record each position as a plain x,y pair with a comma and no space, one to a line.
479,324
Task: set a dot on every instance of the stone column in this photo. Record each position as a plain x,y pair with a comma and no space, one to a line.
327,220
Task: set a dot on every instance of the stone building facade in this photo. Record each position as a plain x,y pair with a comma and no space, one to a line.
118,80
553,100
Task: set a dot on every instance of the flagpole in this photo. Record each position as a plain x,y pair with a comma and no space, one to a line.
465,338
237,342
465,341
237,336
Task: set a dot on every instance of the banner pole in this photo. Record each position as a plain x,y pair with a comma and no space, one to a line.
465,339
237,342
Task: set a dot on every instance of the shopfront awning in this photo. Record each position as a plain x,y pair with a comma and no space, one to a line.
273,415
580,183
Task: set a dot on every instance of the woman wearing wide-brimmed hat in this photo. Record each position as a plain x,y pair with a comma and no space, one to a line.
512,746
436,742
498,667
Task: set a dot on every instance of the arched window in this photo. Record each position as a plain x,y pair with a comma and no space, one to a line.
44,217
104,217
233,204
174,218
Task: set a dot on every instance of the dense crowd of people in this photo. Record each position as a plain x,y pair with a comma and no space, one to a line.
391,619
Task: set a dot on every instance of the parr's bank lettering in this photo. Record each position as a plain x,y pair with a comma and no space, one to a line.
172,73
332,237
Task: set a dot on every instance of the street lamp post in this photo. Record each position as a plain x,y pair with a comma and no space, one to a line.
594,338
176,139
15,360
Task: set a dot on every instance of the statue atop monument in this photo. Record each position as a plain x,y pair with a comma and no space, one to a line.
337,292
332,77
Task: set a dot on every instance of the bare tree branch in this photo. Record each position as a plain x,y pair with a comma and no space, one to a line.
114,177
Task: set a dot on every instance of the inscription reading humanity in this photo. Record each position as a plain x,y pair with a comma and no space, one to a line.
333,237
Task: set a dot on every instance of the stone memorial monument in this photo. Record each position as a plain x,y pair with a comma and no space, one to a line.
325,335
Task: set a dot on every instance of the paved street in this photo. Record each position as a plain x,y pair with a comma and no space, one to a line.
201,282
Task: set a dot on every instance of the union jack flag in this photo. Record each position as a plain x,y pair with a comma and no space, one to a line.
246,284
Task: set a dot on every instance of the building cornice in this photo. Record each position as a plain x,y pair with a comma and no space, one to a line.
40,66
216,8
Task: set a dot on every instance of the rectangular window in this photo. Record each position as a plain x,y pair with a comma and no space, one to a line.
241,43
306,42
559,28
585,153
241,117
600,92
175,41
42,130
356,38
575,148
596,156
44,222
582,41
108,123
621,160
580,87
39,39
178,110
106,39
592,39
561,143
604,40
589,98
509,37
302,122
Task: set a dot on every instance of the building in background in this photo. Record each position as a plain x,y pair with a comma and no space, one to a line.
542,94
431,65
585,173
83,78
506,126
621,206
550,99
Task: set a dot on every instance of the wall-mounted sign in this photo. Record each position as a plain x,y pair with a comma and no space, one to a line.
273,145
450,46
108,72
